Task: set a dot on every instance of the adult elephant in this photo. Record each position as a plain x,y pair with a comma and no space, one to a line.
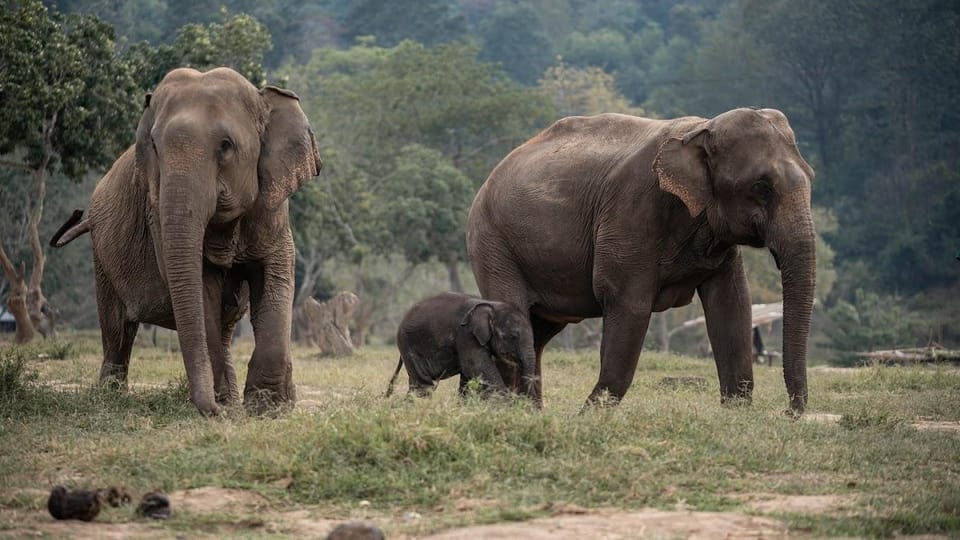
191,225
616,216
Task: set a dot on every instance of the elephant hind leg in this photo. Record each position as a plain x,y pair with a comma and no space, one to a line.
116,333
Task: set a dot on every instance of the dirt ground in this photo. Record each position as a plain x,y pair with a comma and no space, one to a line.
251,514
567,521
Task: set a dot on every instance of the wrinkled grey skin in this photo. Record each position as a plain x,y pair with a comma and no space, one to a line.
458,334
190,226
616,216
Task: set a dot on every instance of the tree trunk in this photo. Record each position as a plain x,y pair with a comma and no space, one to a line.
326,325
36,301
17,299
453,271
664,331
367,310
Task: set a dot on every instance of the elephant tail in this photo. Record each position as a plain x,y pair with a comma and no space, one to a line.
70,230
394,378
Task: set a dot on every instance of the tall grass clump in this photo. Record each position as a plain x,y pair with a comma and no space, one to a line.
15,378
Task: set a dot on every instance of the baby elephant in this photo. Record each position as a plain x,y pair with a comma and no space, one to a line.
452,333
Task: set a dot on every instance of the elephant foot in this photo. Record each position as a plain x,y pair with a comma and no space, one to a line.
205,404
266,402
228,396
737,400
602,399
113,377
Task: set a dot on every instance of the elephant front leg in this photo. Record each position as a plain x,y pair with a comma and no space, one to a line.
726,304
219,323
270,373
624,328
478,363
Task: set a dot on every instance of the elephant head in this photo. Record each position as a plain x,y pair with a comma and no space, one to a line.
212,149
502,330
743,173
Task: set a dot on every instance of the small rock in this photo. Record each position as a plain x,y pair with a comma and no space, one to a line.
411,516
356,530
81,504
283,483
364,504
154,505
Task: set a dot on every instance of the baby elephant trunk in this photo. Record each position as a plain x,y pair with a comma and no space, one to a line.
529,382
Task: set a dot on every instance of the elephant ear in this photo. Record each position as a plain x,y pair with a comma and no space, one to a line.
480,322
681,167
288,148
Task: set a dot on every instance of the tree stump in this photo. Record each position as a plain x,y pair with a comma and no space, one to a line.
324,325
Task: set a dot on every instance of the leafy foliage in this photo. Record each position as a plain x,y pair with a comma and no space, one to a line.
64,90
869,323
583,91
239,42
425,202
515,36
426,21
865,85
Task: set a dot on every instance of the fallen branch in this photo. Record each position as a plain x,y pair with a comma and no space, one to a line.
913,355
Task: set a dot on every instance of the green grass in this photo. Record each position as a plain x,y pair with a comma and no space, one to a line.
660,447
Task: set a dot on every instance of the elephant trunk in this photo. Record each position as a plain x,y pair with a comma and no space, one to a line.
182,224
796,257
528,369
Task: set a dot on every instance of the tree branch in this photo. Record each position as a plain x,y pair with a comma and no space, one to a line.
15,165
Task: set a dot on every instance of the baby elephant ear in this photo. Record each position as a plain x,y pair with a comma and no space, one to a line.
681,167
288,148
480,322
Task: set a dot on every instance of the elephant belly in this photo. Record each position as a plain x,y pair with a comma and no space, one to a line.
151,309
673,296
564,317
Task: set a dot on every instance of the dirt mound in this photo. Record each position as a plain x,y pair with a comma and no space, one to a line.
214,499
613,525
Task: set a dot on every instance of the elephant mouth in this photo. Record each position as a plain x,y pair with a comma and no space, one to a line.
776,257
756,235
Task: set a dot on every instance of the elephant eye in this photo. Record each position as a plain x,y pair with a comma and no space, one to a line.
761,189
226,146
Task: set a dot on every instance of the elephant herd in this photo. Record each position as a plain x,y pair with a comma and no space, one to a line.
610,216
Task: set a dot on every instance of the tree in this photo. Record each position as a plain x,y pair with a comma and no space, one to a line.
391,21
238,42
68,105
425,203
514,36
583,91
414,130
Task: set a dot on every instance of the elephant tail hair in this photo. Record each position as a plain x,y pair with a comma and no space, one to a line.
70,230
394,378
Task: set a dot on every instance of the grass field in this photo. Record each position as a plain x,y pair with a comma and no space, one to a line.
422,466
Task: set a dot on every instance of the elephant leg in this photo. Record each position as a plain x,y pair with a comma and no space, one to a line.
219,329
624,328
543,332
270,373
234,305
726,304
477,363
116,333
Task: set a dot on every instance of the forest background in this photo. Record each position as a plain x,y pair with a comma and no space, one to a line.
415,101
